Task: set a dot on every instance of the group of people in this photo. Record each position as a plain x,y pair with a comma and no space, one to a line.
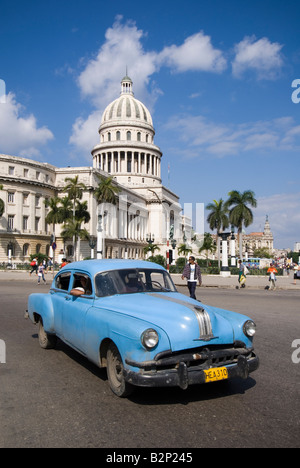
192,273
39,268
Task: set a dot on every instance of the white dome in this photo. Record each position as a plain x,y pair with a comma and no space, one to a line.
126,108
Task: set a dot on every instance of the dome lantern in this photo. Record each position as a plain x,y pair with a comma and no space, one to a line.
126,85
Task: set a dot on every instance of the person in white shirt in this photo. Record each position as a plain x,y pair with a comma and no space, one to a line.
192,273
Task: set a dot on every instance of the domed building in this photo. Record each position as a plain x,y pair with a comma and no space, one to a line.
127,150
145,211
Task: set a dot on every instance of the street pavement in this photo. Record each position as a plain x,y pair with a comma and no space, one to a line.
209,281
57,398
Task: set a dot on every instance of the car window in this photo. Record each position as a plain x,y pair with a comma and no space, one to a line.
62,281
83,283
133,281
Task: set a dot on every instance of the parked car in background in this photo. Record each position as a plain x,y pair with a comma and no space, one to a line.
128,317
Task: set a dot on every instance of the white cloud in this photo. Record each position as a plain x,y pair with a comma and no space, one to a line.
196,53
100,80
204,137
262,56
84,132
122,48
20,134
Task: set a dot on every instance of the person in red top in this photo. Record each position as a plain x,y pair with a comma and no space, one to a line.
272,278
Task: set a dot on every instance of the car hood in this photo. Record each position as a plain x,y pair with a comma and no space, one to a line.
182,318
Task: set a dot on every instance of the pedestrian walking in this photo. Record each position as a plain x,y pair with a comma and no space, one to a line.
192,273
41,271
243,271
272,276
34,266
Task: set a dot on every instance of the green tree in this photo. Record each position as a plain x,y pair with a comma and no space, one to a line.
151,248
107,191
66,208
184,249
81,212
239,212
55,215
218,219
208,245
75,190
72,230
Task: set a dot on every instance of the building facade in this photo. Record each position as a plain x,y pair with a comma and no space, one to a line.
146,210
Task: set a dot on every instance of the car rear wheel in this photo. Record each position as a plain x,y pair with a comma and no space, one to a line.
46,341
115,367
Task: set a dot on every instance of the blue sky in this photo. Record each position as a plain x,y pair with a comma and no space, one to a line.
217,77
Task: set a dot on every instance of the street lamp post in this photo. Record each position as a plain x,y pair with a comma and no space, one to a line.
225,272
150,240
232,247
92,244
101,235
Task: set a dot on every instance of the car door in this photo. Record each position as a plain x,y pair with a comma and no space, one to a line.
59,293
75,309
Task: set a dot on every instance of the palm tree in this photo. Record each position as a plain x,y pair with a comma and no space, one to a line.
106,192
53,217
72,230
2,205
81,212
184,249
75,190
240,214
151,248
66,208
218,219
208,245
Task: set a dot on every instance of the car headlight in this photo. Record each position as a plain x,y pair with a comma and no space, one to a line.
249,328
149,338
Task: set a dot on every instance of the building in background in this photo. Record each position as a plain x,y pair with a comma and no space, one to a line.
146,210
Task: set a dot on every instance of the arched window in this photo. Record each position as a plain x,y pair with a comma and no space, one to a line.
128,134
118,134
138,136
25,250
109,136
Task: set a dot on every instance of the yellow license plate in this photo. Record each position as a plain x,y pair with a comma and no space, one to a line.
218,373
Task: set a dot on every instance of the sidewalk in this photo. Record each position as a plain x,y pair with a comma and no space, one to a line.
208,281
253,282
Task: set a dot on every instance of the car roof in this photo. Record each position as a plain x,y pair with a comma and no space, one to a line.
97,266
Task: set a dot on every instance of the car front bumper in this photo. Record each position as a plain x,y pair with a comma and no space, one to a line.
183,374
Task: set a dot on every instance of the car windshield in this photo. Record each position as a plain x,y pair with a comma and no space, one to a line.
133,281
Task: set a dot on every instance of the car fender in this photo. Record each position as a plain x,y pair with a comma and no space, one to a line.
125,331
41,305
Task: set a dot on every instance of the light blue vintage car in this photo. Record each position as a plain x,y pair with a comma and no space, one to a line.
127,316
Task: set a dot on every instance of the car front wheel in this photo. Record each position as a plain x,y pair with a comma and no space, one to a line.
115,367
46,341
